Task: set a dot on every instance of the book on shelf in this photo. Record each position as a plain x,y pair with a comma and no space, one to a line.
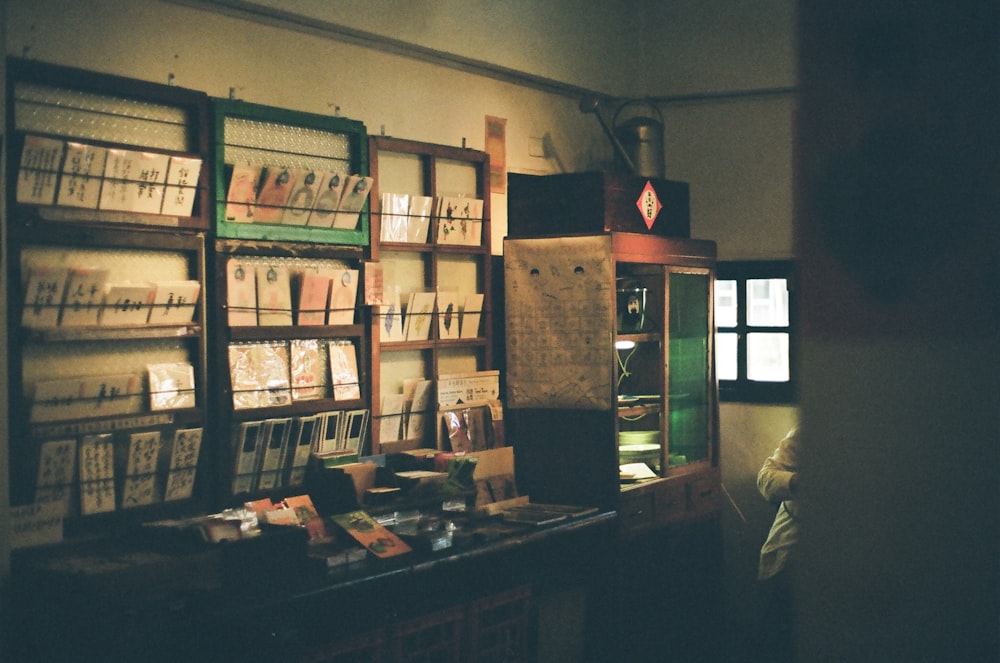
246,441
273,373
181,186
56,472
127,304
275,190
184,450
343,296
313,293
241,197
84,296
308,370
43,295
355,195
38,172
330,190
171,386
447,314
241,293
344,370
471,314
174,302
419,222
274,446
419,315
80,182
300,447
139,486
302,198
274,295
97,474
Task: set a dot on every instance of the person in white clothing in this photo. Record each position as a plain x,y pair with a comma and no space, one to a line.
778,481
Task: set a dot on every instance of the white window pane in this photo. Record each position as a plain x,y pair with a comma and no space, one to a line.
726,357
767,302
767,357
726,313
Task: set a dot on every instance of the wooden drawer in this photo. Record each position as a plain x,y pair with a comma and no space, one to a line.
671,502
704,496
636,509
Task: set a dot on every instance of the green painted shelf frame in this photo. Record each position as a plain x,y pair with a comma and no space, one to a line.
354,162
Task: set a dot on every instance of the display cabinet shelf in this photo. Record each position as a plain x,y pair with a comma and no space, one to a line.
107,194
629,422
427,195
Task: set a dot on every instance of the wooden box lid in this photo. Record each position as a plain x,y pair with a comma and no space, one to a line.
539,205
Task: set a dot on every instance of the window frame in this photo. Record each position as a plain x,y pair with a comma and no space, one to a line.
743,389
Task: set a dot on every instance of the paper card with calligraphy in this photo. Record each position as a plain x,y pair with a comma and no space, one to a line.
39,170
97,474
84,296
80,184
127,304
56,473
174,302
182,186
183,464
139,488
43,295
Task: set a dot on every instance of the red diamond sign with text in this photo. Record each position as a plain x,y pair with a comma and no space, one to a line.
648,204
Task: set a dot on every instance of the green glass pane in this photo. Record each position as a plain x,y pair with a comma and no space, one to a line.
688,368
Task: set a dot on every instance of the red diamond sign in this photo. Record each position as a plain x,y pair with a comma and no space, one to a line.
648,204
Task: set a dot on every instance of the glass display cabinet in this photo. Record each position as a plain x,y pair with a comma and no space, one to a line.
611,387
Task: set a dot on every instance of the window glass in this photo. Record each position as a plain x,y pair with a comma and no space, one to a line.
726,305
767,302
727,362
767,357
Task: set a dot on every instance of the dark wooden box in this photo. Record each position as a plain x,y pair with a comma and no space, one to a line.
593,202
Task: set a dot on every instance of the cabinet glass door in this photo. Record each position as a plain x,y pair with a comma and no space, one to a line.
689,398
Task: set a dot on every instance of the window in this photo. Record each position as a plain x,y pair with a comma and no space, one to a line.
755,334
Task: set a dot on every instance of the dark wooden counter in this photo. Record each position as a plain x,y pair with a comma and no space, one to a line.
261,600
